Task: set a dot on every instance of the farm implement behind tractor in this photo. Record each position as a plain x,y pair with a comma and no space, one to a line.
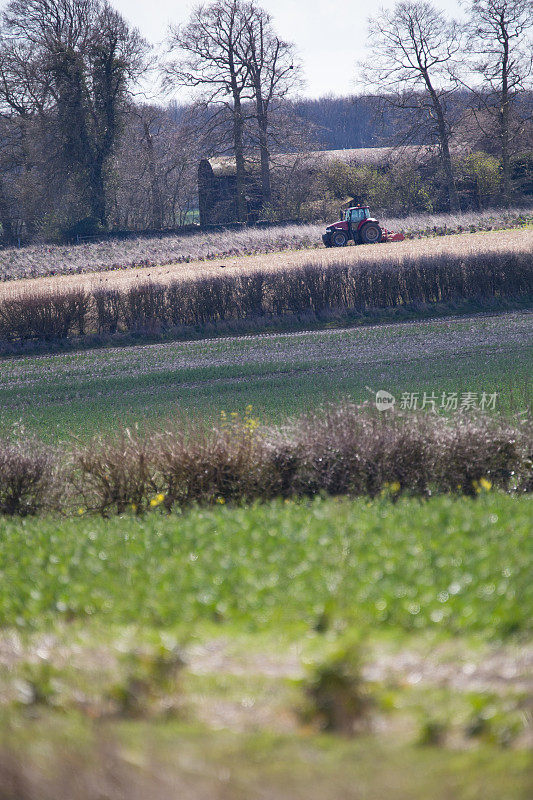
357,224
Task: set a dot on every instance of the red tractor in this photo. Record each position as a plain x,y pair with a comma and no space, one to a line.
357,224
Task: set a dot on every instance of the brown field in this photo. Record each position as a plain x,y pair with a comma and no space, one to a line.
518,240
41,259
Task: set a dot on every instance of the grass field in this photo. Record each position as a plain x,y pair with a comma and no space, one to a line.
85,393
437,593
173,760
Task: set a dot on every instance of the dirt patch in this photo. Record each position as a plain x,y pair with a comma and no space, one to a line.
499,669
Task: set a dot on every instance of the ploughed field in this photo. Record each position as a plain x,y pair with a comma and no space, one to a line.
91,256
500,241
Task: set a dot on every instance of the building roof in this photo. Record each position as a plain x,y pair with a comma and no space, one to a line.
225,165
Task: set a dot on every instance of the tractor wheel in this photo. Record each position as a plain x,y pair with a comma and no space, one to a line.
339,239
371,233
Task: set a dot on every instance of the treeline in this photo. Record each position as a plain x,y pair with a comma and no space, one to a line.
343,123
78,156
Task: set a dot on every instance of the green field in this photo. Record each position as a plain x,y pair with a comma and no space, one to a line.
438,594
280,566
85,393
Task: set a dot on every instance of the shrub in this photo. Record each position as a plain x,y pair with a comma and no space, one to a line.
29,479
339,698
148,677
433,733
349,451
107,304
470,452
222,465
114,474
54,315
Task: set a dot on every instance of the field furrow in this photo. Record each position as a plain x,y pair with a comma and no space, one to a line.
517,240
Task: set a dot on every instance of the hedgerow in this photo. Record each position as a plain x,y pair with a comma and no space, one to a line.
341,449
312,290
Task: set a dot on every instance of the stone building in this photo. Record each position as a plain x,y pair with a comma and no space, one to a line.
217,177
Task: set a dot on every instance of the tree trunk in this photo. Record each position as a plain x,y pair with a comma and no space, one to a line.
240,168
453,198
97,198
262,124
155,191
446,160
266,190
504,121
8,235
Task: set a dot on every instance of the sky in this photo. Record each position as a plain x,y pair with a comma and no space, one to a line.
330,36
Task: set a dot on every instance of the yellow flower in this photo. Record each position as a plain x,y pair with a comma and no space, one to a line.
221,500
486,484
251,424
249,408
133,507
81,511
395,487
160,497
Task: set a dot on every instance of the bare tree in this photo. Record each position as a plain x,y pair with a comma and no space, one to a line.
152,124
71,61
269,62
155,169
413,49
229,52
207,55
503,60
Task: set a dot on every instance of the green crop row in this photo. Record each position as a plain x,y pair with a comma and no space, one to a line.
457,565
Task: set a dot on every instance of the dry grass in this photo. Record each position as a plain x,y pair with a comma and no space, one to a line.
115,263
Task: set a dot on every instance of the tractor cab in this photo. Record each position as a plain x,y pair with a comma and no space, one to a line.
355,215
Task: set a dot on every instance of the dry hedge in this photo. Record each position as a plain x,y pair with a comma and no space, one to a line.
341,449
311,290
29,477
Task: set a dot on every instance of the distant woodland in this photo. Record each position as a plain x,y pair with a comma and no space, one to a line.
81,156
